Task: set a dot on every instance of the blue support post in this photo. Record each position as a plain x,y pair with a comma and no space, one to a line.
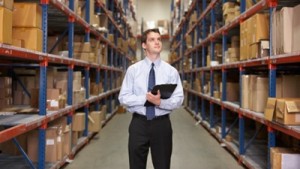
182,47
42,112
203,114
43,88
272,84
70,90
241,135
270,28
211,107
242,72
223,98
105,81
242,6
272,80
70,85
86,112
86,82
223,123
70,55
211,115
45,25
71,66
71,30
97,107
87,19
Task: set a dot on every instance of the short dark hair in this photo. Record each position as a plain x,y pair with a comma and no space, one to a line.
146,32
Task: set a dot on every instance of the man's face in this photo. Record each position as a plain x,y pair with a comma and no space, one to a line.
153,45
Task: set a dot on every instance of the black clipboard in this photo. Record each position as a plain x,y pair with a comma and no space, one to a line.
166,90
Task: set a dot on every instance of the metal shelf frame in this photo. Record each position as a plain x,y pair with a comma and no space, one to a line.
269,64
45,60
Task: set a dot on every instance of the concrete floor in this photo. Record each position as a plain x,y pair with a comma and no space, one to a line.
193,147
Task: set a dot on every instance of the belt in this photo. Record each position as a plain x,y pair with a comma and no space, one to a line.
136,115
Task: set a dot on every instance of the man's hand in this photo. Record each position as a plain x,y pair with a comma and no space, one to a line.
155,99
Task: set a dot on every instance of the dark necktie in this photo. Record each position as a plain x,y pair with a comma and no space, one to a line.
150,110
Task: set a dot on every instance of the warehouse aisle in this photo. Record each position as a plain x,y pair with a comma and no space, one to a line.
193,147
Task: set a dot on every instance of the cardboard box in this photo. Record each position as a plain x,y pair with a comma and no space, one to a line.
288,111
62,85
104,111
94,124
51,144
78,96
296,29
78,121
259,26
5,82
82,47
18,97
288,86
18,43
32,145
284,30
27,15
5,92
31,36
232,91
5,26
103,20
53,94
67,143
269,110
245,92
260,95
252,82
75,135
284,158
244,44
8,4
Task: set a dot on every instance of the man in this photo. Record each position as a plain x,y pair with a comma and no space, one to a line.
150,126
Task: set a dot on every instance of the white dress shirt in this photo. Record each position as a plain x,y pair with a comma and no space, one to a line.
135,83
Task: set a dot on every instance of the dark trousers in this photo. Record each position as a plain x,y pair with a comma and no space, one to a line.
155,134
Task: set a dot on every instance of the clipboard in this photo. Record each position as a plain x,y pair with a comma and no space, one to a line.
166,90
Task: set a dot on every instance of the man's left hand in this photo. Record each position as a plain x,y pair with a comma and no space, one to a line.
155,99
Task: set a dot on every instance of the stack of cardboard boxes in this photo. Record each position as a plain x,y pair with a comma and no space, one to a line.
285,107
286,26
78,90
57,141
6,7
230,11
255,90
27,25
254,37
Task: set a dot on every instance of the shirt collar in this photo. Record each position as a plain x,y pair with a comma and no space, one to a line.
149,62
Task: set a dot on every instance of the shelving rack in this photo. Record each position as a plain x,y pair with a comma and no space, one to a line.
118,61
205,107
